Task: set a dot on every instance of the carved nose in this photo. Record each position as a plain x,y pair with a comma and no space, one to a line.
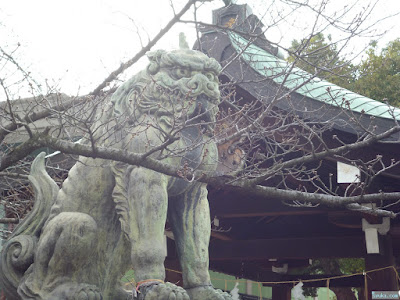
198,83
194,85
212,87
201,84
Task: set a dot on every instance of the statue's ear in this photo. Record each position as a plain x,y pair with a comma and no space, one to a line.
154,58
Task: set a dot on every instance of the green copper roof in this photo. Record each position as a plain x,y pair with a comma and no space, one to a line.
298,80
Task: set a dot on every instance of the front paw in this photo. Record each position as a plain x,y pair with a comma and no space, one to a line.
87,292
207,293
74,291
162,291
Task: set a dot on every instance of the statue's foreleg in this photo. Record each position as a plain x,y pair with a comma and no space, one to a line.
189,216
148,204
147,197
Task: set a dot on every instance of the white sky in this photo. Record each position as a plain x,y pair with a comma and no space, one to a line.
75,44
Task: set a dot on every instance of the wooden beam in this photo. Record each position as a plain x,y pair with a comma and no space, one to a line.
295,248
220,236
9,220
214,234
234,204
273,213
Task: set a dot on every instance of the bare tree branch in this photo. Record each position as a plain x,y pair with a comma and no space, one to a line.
9,221
113,75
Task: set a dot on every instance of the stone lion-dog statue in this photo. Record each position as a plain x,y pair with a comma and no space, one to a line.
109,216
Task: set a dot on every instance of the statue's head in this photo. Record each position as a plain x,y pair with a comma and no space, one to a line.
177,86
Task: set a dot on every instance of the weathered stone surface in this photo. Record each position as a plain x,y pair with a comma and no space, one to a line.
110,216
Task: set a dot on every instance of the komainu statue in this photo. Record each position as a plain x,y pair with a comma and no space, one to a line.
110,216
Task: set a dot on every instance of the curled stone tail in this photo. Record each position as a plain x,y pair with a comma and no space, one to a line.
18,252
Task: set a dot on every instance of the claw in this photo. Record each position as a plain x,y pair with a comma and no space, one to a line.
163,291
88,292
207,293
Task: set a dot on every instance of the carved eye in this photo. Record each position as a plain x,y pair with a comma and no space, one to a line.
210,76
181,73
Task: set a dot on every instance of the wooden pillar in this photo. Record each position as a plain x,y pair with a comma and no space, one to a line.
173,267
281,292
384,280
173,273
361,294
249,287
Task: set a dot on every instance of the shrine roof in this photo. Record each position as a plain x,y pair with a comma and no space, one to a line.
306,84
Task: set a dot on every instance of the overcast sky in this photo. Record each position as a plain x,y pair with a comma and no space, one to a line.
76,43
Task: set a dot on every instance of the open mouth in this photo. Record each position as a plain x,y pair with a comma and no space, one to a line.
194,111
203,114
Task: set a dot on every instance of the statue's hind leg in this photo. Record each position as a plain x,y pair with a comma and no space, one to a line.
189,215
147,205
61,268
